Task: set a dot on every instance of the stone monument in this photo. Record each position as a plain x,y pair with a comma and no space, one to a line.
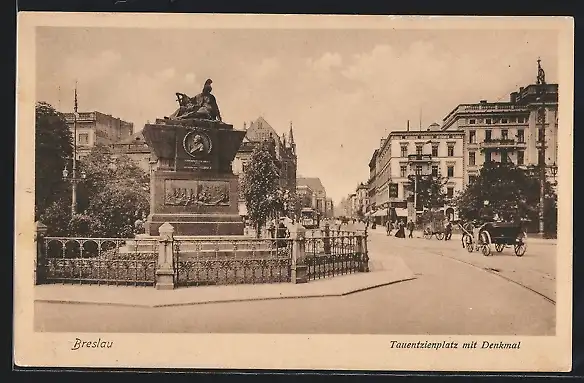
192,185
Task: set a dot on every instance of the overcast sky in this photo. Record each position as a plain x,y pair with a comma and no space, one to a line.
342,89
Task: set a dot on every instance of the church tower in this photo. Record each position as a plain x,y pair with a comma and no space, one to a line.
291,139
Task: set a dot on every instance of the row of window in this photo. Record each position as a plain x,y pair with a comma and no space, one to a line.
419,150
504,157
449,191
472,135
504,120
403,170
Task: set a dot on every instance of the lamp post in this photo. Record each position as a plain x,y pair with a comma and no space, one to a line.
542,144
74,179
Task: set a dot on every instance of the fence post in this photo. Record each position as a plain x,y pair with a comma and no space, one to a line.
39,238
299,269
327,239
362,251
165,268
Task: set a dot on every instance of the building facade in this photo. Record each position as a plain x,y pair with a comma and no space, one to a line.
259,132
311,189
136,148
510,131
94,128
407,153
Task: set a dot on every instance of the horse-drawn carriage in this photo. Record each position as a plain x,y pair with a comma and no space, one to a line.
494,234
434,225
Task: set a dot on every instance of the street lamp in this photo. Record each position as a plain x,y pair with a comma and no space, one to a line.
554,171
74,179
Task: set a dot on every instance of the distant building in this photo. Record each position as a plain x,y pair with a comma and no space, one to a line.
311,189
330,209
136,148
94,128
258,132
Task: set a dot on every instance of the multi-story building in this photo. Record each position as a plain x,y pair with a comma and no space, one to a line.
362,199
312,189
510,131
136,148
405,153
259,132
94,128
372,184
330,209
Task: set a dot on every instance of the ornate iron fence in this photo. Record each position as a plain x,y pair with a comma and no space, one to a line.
334,252
107,261
235,261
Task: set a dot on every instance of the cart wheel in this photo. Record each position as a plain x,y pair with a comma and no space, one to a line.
486,249
427,235
440,236
499,247
520,249
466,241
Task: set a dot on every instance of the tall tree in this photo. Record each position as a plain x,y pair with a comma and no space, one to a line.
53,150
260,187
510,190
429,190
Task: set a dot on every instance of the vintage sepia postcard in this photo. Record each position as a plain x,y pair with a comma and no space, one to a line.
294,192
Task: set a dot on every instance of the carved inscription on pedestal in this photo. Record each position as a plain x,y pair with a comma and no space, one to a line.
193,193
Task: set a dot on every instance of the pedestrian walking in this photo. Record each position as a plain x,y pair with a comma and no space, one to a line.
448,231
411,229
388,227
401,232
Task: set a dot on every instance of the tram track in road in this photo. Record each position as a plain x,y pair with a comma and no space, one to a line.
495,272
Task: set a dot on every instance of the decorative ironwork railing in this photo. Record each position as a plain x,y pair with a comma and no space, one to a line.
333,253
110,261
232,261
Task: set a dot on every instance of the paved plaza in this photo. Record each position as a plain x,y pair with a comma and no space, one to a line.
416,286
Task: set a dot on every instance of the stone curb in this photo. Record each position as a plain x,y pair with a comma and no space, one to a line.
201,302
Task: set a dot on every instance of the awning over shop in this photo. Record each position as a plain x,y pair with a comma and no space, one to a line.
401,212
380,213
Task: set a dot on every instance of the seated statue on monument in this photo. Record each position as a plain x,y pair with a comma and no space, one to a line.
202,106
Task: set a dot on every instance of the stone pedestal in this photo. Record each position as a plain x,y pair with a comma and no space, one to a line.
192,186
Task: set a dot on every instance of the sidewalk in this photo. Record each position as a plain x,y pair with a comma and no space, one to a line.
383,272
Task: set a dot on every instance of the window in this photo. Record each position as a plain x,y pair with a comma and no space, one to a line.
434,150
472,179
404,151
512,120
488,121
488,134
450,150
472,121
504,156
472,137
520,157
521,120
496,121
402,171
403,137
434,170
541,134
243,167
504,134
488,157
449,192
419,150
450,172
83,139
504,121
471,158
418,169
520,135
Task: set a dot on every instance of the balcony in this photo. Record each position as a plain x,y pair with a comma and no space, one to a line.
420,158
502,144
